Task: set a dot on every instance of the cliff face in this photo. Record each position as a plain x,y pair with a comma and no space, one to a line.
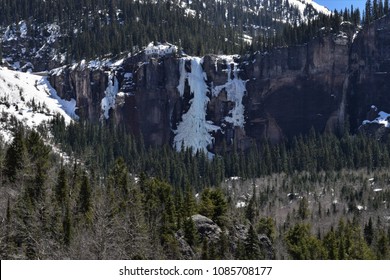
217,100
369,77
296,88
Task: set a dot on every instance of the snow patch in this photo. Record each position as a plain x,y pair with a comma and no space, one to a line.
54,30
383,118
241,204
160,49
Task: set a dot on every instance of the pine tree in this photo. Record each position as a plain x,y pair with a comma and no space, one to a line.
303,210
190,232
252,246
38,154
375,9
85,197
267,226
250,211
368,12
369,232
15,157
67,225
61,191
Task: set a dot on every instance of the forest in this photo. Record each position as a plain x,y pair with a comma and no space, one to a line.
314,197
94,28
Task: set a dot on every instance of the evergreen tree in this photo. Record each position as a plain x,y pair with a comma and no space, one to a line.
369,232
252,246
85,197
190,232
250,211
301,245
303,210
15,157
61,191
368,12
267,226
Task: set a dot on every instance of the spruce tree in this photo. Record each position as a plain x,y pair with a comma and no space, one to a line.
85,198
61,190
369,232
15,157
368,12
252,246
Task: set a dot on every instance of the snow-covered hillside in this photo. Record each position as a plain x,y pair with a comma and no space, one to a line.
303,4
31,46
31,100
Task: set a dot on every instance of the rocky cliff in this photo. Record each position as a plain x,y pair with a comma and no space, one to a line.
369,73
218,101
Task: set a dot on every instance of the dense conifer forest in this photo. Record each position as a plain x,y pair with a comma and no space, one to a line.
107,202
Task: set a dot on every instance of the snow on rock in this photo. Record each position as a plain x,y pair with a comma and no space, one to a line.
54,31
241,204
160,49
235,89
31,100
383,118
23,29
194,130
360,207
108,102
341,39
9,34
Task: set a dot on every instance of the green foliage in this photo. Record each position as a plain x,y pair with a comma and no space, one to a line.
99,210
190,232
302,245
303,210
252,245
61,191
267,226
15,157
369,232
213,205
374,10
85,198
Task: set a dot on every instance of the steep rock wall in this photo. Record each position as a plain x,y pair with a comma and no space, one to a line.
286,92
369,82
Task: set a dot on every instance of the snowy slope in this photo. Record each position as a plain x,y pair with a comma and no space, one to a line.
31,100
302,5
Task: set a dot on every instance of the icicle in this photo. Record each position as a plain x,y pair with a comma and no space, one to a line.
194,131
112,89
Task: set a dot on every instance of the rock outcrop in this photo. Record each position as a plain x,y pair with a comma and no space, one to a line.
275,95
206,228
